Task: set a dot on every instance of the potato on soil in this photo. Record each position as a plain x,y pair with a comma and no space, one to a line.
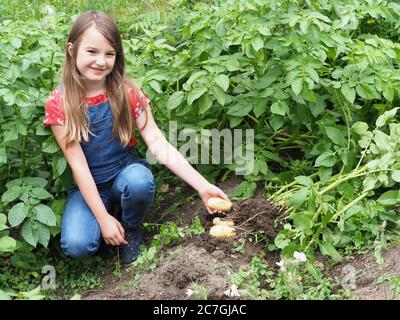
223,222
222,232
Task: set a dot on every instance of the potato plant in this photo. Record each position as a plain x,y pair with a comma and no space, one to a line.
317,81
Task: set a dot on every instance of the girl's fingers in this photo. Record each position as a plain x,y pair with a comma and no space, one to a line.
111,242
121,230
121,241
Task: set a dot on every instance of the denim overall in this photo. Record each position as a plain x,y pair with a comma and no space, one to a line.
120,176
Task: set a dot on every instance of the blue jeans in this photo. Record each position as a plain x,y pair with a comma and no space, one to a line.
80,232
120,176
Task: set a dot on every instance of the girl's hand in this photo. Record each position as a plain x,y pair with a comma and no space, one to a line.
211,191
112,231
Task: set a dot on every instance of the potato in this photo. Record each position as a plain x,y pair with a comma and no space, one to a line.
222,232
223,222
219,204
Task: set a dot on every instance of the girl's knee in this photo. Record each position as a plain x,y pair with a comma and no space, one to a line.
137,181
78,248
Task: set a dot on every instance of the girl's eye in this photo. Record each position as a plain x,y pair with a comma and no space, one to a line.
111,54
91,51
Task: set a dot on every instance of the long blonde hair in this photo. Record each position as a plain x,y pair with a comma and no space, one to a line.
74,90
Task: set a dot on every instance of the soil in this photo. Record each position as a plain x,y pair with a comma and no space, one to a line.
367,279
199,259
209,262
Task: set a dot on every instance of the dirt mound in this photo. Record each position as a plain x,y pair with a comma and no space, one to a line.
186,265
256,214
200,259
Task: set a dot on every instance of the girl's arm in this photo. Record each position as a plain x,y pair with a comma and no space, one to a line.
173,159
112,231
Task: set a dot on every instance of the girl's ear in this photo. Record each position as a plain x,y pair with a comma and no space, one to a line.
70,49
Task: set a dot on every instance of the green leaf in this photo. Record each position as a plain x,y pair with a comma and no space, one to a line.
348,93
336,135
382,119
44,234
7,244
329,250
194,76
297,85
327,159
45,215
14,182
382,141
50,145
395,175
220,95
389,198
276,122
222,81
151,253
264,30
11,194
232,64
11,134
205,103
16,42
360,128
3,155
43,131
348,158
257,43
234,121
40,193
369,183
195,94
259,108
240,109
17,214
388,92
281,241
155,86
280,108
299,197
30,236
302,222
175,100
304,26
60,166
353,210
246,189
3,219
324,173
35,181
305,181
367,92
21,129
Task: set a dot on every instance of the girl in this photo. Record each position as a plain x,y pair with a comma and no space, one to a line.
92,115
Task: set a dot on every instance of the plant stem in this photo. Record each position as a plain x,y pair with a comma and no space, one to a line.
339,181
22,171
349,205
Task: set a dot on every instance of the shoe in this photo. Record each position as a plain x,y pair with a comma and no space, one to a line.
131,251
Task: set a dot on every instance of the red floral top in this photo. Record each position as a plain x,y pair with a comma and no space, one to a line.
54,113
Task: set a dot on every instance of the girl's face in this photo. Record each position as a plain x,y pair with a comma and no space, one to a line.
95,58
